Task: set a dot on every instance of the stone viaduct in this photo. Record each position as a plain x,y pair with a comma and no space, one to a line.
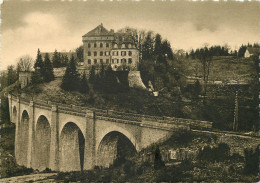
72,138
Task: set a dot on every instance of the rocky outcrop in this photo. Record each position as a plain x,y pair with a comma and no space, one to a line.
134,79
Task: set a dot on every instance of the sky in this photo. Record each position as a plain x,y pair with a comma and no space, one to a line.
49,25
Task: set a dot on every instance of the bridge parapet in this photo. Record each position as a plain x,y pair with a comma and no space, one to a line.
163,122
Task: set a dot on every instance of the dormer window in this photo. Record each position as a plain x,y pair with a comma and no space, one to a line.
115,46
129,46
123,45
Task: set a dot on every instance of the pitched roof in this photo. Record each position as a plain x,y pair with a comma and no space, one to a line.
98,31
254,51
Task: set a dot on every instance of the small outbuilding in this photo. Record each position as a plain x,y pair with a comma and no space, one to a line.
251,52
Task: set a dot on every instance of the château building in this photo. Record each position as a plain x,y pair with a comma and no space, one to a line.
106,47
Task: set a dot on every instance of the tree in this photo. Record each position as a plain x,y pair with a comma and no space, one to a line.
251,161
92,75
84,87
24,63
37,77
158,45
158,163
80,53
205,58
11,75
39,62
48,69
242,51
197,88
148,47
166,49
71,78
65,60
110,82
56,60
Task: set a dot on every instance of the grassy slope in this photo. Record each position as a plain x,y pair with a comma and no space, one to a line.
223,69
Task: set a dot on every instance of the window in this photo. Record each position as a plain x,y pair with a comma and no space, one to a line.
101,53
89,45
123,61
95,45
123,45
107,53
129,60
101,61
115,53
101,45
107,45
112,61
117,60
95,61
89,53
107,61
89,61
130,53
123,53
95,53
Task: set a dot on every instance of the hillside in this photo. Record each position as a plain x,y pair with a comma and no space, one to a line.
129,100
229,74
223,70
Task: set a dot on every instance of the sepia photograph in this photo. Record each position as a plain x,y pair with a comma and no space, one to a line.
129,91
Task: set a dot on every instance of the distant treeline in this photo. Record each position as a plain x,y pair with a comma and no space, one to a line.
222,51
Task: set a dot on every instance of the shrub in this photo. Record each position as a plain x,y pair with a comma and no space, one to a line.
251,161
158,162
218,154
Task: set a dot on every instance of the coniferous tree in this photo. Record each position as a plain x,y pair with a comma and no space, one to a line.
80,53
66,61
84,88
242,51
48,69
110,82
71,78
36,77
39,63
148,47
11,75
158,45
56,60
167,50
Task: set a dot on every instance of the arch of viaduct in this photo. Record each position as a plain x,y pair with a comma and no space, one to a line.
70,138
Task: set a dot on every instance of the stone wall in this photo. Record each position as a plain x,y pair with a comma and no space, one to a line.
59,72
134,79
